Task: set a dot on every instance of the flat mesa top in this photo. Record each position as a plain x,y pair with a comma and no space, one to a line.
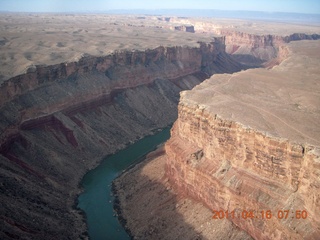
283,102
37,39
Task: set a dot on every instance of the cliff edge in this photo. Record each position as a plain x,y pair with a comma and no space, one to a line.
248,144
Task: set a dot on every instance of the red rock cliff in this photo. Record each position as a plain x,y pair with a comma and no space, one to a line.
232,168
230,147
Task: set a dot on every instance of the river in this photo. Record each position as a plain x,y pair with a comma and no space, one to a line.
97,200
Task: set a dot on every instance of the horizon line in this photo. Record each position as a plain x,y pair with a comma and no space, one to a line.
161,9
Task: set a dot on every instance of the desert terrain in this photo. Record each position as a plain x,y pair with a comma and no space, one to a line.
78,87
42,39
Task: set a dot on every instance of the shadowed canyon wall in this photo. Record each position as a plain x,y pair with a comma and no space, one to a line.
59,121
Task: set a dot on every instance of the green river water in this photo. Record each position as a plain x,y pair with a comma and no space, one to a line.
97,200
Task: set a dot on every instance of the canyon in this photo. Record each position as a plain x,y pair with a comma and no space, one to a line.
61,115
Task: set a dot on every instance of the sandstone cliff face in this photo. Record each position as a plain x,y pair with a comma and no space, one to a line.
59,121
229,147
232,168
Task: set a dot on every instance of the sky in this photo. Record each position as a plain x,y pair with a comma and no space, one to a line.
296,6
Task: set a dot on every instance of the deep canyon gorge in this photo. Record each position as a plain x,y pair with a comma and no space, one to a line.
241,139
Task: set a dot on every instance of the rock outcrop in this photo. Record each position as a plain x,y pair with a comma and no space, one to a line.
249,143
59,121
185,28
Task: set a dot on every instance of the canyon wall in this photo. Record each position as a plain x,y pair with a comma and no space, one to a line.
258,49
57,122
229,167
244,143
251,43
48,89
119,65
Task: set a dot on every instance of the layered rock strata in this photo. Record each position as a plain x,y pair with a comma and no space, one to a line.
250,142
253,43
57,122
258,49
